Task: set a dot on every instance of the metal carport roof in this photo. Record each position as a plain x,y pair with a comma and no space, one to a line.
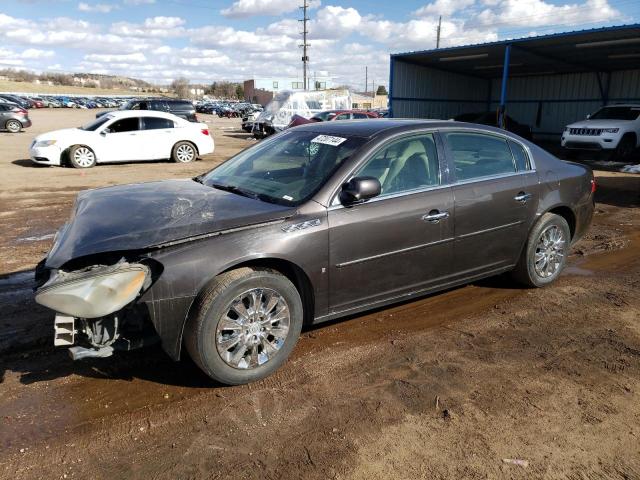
597,50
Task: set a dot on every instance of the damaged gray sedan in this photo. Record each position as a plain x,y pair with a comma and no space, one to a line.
318,222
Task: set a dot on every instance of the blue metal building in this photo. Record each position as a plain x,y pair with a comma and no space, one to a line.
546,82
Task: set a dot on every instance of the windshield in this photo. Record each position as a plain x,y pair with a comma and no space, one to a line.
287,168
616,113
95,124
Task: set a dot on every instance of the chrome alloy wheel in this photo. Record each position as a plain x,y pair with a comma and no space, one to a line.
84,157
550,251
185,153
253,329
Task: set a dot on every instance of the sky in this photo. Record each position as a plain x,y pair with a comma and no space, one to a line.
212,40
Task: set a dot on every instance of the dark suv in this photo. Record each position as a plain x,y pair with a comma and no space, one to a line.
181,108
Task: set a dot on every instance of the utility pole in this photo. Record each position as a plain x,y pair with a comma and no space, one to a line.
304,45
366,79
438,34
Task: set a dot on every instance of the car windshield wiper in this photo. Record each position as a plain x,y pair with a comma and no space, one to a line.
236,189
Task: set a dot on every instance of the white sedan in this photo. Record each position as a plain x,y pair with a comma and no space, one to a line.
124,136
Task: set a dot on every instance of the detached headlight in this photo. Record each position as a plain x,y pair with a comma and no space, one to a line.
610,130
95,295
45,143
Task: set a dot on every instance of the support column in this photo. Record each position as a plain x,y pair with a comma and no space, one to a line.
503,90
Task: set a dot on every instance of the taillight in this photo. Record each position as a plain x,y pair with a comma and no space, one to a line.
19,110
205,131
593,185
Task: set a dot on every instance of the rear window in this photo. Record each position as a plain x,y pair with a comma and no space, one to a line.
157,123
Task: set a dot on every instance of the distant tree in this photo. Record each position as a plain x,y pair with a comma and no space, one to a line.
382,90
240,91
180,86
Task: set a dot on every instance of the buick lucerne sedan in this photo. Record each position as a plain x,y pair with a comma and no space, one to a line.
123,137
321,221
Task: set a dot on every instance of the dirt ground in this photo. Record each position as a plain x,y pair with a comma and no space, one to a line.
449,386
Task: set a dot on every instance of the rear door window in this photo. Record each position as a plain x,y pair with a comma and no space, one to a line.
360,115
343,116
476,155
157,123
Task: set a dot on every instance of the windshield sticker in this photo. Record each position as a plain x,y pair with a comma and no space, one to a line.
328,140
287,197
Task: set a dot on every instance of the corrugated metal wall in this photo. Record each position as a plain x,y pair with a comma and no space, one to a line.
421,92
546,102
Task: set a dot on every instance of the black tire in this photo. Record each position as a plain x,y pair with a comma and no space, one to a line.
215,303
624,151
184,152
526,271
81,156
13,126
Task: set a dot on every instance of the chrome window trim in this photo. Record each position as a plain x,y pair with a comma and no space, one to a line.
387,142
334,196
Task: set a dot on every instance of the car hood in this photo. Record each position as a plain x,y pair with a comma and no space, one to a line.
599,124
146,215
59,134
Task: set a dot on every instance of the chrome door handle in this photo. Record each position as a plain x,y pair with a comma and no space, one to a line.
434,216
522,197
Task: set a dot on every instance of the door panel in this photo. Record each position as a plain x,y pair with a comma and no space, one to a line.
490,225
492,202
122,141
385,247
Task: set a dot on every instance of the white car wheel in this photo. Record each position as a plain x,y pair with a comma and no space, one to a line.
82,157
184,152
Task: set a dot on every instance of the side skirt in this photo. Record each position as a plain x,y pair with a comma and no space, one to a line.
410,295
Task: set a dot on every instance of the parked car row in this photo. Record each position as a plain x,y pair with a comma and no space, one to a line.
228,109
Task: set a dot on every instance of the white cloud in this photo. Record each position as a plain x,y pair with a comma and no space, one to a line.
139,2
444,7
97,7
534,13
117,58
36,53
250,8
154,27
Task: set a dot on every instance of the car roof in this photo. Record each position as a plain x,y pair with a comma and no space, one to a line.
372,127
142,113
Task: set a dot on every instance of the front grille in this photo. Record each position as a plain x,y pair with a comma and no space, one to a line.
585,131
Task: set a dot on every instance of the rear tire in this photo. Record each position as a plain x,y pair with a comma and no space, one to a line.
81,156
545,254
245,325
184,152
13,126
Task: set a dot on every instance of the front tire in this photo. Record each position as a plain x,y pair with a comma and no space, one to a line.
183,152
625,148
13,126
246,324
545,253
81,156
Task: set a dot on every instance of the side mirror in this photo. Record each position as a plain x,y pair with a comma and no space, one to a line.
359,189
